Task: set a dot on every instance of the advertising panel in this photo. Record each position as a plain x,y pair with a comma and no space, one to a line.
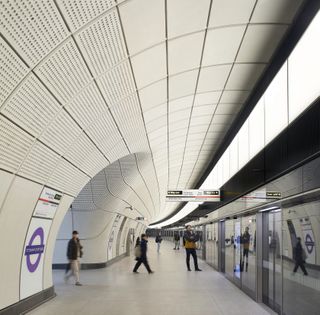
33,257
113,236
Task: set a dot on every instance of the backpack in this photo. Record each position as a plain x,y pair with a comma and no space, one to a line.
137,251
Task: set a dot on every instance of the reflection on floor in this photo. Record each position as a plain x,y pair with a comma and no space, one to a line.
170,290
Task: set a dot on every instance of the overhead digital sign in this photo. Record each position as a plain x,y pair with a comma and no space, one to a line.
194,195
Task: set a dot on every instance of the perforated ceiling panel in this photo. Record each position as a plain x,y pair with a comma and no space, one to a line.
14,145
34,28
65,72
80,12
12,71
154,84
31,106
102,43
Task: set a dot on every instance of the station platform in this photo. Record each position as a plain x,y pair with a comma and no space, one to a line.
171,290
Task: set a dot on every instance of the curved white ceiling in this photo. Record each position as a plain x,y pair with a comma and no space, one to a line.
86,83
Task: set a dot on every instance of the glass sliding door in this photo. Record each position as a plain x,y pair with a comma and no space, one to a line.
229,248
301,259
215,241
248,255
272,261
237,251
209,244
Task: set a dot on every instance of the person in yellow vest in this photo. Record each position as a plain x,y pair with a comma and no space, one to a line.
189,242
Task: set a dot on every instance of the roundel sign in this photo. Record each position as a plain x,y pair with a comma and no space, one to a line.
34,252
309,243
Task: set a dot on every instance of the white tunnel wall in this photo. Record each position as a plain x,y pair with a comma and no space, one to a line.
98,233
85,86
14,221
59,217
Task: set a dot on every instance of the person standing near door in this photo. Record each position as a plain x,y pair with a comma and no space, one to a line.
189,242
299,255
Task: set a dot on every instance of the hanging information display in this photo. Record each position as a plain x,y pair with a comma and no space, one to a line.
195,195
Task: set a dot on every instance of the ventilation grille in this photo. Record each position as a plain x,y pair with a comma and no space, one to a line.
65,73
86,156
127,114
131,176
80,12
102,43
14,145
40,163
34,28
61,133
84,202
120,189
118,151
68,178
117,84
145,166
88,106
98,186
12,70
104,133
31,106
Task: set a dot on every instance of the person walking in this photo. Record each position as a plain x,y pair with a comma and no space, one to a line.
143,255
74,252
299,255
176,239
189,242
158,241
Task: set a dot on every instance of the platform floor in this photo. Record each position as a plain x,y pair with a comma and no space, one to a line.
171,290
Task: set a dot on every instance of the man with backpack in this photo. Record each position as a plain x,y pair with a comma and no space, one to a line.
189,242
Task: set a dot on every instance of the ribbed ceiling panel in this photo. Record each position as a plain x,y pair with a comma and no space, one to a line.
86,83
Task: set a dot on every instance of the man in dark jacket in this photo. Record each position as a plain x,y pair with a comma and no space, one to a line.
74,252
299,257
176,239
189,242
143,258
158,241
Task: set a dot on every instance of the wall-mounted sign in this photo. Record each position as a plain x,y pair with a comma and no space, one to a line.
273,194
113,235
308,240
196,195
257,196
31,278
47,204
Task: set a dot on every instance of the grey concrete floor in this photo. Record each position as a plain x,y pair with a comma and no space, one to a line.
171,290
